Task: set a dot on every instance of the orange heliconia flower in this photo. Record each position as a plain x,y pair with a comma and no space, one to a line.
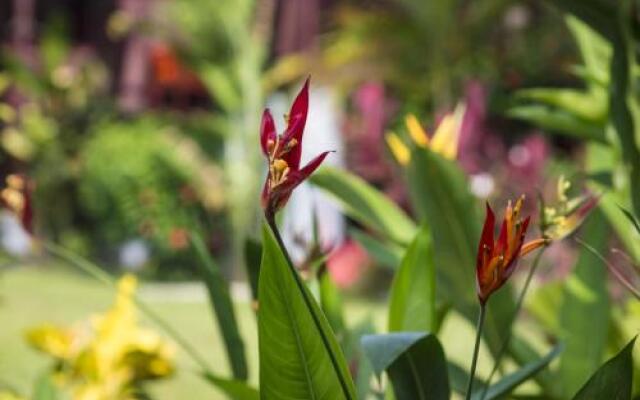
497,260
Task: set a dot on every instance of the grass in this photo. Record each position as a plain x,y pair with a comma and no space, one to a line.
32,295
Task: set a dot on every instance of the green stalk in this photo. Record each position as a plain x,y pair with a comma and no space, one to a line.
505,343
97,273
476,350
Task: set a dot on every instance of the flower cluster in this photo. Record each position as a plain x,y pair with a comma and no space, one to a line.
283,153
561,220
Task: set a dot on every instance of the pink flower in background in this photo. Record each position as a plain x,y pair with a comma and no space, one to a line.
347,263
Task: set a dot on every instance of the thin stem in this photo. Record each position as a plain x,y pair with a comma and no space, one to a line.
505,343
476,350
614,270
99,274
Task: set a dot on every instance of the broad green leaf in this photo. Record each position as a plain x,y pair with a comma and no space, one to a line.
559,121
234,389
511,381
414,361
252,255
412,305
585,294
613,380
366,204
387,254
440,195
299,355
223,308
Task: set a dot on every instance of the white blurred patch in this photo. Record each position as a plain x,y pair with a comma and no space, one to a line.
482,185
134,254
516,17
519,156
15,240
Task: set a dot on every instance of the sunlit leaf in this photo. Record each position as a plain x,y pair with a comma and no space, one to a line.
585,308
440,195
366,204
412,304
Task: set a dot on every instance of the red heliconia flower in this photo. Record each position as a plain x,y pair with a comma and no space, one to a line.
498,259
16,197
283,154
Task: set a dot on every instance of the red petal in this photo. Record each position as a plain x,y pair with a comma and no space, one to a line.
300,107
267,130
297,177
292,157
486,239
313,165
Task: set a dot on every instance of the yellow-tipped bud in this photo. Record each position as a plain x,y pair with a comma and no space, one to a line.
447,135
418,135
399,150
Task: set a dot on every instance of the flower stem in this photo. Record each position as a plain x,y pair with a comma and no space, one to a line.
476,350
505,343
99,274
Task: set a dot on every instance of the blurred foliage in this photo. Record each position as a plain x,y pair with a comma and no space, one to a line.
135,183
225,42
426,51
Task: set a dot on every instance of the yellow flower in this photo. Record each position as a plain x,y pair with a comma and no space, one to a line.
444,141
111,356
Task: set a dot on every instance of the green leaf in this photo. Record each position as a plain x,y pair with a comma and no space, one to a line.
387,254
412,304
509,382
414,361
252,256
558,121
585,294
439,193
223,308
613,380
234,389
366,204
299,355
